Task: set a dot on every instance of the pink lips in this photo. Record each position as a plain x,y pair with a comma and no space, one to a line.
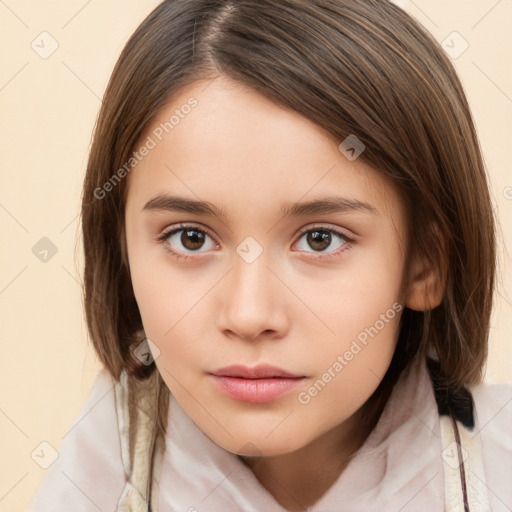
260,384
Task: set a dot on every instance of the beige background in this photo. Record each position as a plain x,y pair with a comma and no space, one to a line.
48,108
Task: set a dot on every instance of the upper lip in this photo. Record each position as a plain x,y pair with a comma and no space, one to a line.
262,371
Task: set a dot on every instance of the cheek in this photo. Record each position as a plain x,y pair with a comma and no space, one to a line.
161,294
367,288
364,312
349,373
168,304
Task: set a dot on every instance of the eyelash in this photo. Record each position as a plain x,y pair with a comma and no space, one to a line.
164,236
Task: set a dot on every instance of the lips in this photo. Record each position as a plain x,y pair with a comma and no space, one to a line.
263,371
261,384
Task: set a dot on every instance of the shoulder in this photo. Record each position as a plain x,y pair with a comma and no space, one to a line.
88,473
493,408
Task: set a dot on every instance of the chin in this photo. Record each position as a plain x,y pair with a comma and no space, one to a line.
259,445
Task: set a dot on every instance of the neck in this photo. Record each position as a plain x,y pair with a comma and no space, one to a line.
298,479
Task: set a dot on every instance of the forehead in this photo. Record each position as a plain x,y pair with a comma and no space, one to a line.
241,152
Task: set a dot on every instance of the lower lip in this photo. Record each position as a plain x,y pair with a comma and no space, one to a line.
255,390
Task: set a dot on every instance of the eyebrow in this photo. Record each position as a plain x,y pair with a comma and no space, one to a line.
330,204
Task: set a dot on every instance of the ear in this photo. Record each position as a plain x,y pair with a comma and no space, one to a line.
426,284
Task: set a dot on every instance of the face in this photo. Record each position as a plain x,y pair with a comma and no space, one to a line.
249,279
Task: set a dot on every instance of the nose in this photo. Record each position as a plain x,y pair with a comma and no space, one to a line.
254,302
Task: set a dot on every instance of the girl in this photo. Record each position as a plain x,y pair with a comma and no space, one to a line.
289,269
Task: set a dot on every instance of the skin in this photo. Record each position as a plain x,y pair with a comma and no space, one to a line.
292,307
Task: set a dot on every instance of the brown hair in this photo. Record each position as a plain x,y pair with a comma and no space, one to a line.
365,68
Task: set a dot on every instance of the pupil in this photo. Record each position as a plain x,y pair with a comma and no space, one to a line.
192,239
319,240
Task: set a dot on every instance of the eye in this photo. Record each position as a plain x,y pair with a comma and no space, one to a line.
182,240
321,238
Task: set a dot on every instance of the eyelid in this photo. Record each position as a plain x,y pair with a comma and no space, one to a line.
167,232
341,232
179,227
334,229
